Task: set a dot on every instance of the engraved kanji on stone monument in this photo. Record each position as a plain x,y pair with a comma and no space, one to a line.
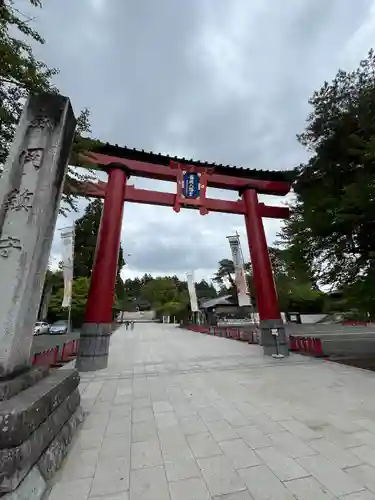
19,200
33,156
30,192
41,120
6,245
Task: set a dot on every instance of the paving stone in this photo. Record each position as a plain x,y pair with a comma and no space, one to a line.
331,476
254,437
189,489
77,489
300,430
236,419
364,475
142,415
108,391
124,495
263,484
291,445
93,389
174,445
333,452
308,488
366,437
365,454
203,445
239,453
145,454
149,484
184,409
162,406
207,381
123,410
177,470
165,420
362,495
221,430
209,414
343,439
344,424
111,476
90,438
367,424
284,467
192,424
80,464
219,475
116,446
143,431
117,425
265,424
239,495
139,403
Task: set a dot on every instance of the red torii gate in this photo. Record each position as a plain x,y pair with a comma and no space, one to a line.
121,163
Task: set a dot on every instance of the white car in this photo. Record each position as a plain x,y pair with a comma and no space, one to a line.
41,327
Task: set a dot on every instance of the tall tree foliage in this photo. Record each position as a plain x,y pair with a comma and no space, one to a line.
86,233
295,291
22,74
332,225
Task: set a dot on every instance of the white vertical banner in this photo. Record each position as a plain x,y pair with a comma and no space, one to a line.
192,292
239,269
67,238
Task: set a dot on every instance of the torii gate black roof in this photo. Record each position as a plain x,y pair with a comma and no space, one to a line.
161,159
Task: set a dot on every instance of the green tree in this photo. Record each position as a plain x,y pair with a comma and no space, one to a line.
79,298
226,272
22,74
205,290
332,224
295,291
86,233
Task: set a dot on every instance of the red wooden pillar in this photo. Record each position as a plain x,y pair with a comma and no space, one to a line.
267,301
95,333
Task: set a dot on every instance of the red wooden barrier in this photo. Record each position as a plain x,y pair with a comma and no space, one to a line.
70,349
307,345
48,357
235,333
76,345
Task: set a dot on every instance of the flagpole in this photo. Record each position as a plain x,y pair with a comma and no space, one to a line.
69,317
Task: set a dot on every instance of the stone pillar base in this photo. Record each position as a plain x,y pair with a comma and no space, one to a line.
93,347
41,420
268,341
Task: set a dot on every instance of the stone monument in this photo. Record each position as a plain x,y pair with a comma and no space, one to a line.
39,408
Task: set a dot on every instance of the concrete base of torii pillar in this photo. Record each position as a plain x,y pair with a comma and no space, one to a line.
39,410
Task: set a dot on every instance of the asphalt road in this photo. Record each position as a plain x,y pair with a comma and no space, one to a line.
43,342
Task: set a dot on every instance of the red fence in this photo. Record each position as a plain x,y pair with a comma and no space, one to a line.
56,355
306,345
235,333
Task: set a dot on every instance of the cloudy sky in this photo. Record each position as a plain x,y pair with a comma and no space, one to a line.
218,80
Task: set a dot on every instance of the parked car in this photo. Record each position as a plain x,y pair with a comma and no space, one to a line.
41,328
59,327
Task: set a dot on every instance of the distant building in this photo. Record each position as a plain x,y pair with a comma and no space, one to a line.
225,307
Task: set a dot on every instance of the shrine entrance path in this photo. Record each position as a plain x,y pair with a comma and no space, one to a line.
184,416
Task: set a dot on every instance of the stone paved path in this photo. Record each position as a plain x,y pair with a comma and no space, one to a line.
183,416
